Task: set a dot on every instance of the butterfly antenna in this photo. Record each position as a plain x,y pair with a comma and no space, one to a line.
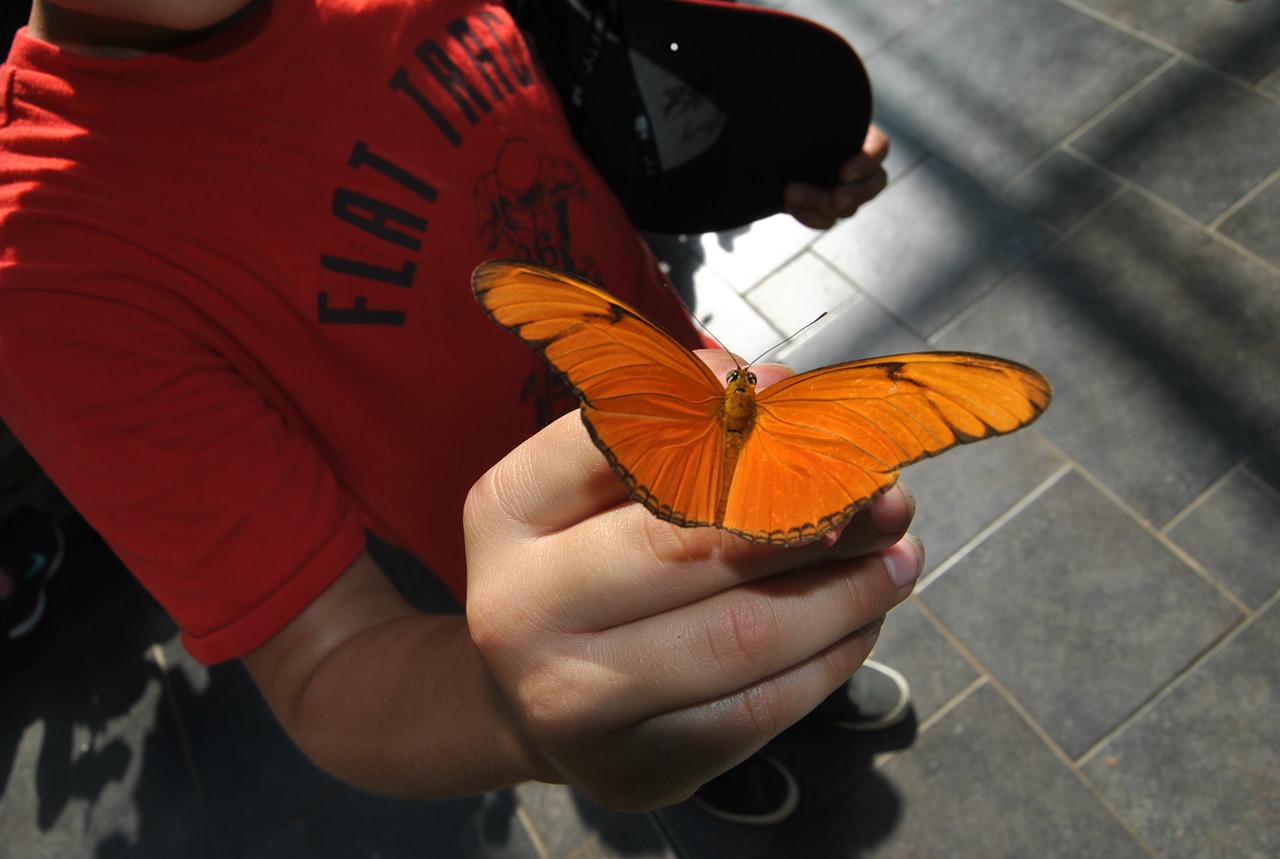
706,330
791,337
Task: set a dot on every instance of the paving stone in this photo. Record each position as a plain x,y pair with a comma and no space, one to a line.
865,24
799,292
1160,344
1078,612
252,778
352,823
932,244
636,837
1272,83
746,256
1241,38
564,820
978,783
1198,773
91,758
859,328
991,85
291,842
729,318
1233,535
185,832
1063,190
966,489
1159,138
1265,463
935,671
1256,224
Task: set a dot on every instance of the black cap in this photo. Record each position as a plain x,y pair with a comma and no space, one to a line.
710,110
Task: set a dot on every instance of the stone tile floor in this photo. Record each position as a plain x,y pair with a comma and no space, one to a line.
1089,186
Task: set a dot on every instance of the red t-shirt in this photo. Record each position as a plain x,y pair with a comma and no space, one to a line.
236,323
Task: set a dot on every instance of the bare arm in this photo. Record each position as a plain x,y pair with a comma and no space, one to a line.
123,28
389,699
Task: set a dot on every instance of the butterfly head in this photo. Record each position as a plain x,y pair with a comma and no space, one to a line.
739,379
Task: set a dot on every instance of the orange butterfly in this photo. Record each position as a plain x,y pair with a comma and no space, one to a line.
784,465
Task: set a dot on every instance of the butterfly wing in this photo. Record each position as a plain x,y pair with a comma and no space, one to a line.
649,404
826,443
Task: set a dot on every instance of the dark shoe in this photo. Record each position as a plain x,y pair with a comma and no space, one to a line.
31,549
874,698
759,791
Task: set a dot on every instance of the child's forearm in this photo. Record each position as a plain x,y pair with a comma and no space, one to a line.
121,28
399,703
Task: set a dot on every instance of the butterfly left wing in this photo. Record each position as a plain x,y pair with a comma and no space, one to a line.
826,443
649,404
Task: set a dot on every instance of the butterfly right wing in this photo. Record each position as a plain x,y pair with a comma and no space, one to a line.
651,406
827,442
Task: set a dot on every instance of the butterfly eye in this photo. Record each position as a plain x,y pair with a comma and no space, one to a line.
732,376
751,377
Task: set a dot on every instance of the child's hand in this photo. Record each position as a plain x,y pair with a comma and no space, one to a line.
861,179
640,659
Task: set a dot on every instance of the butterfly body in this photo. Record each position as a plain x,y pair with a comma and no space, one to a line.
737,418
739,410
784,465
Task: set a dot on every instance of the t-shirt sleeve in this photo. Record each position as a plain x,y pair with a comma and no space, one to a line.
226,513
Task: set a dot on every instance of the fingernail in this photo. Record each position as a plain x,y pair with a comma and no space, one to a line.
904,560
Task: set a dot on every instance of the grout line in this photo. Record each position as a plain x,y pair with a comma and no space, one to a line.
522,815
985,677
1263,86
905,31
994,288
1210,652
1003,188
954,701
1116,103
1246,253
1209,230
1058,238
995,525
1065,144
1200,499
1248,198
1147,526
1261,482
867,295
1166,47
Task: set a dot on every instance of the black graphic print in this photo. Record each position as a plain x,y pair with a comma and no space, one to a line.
522,208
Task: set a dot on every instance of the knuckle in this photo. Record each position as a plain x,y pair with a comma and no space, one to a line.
488,505
745,632
675,552
488,624
549,708
764,708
